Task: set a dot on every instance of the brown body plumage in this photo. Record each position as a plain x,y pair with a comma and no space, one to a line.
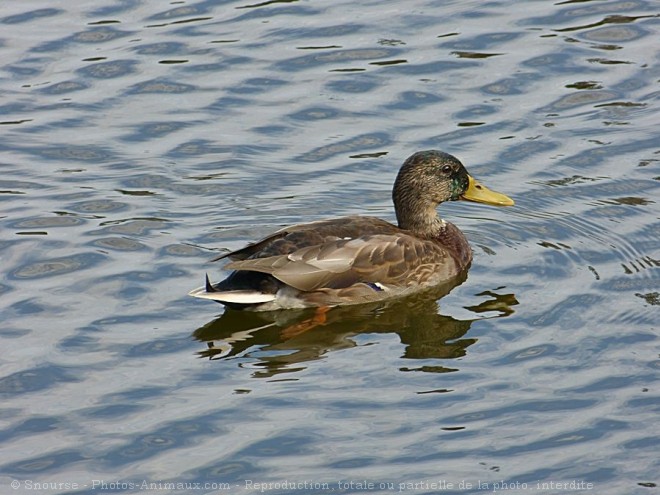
359,259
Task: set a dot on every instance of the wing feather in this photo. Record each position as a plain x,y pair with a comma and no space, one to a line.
338,263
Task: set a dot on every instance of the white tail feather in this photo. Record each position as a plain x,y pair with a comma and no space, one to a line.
233,296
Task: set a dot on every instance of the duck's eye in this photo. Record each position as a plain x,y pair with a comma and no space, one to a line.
446,169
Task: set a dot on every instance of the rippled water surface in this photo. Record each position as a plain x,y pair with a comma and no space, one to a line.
139,139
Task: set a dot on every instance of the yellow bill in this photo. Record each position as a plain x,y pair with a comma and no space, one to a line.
481,194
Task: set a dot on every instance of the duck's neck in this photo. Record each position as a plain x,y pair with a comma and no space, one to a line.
420,219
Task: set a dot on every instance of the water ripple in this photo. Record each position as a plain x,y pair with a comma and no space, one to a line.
141,138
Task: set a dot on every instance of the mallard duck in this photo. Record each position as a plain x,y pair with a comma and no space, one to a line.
359,259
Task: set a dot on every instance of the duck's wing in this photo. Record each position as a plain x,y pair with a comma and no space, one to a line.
400,260
253,247
294,237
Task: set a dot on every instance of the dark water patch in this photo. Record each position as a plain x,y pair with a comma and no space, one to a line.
335,57
51,462
277,9
173,435
103,324
365,141
488,41
115,8
353,462
649,443
132,226
28,68
199,147
227,103
531,353
70,152
123,244
158,347
354,85
38,379
64,87
613,382
510,86
474,112
29,307
555,62
285,444
15,108
615,34
610,19
95,35
98,206
432,69
12,333
232,470
100,35
333,31
137,394
132,293
257,85
163,48
273,130
109,70
652,403
571,13
316,113
519,408
593,189
19,186
148,131
182,250
147,182
79,343
160,86
619,284
32,426
202,8
227,64
599,429
635,316
59,125
48,222
54,267
110,411
413,100
475,55
31,15
570,313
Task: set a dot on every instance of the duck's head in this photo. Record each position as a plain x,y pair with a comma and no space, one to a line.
429,178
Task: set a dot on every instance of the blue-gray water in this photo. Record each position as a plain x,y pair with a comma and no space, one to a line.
138,139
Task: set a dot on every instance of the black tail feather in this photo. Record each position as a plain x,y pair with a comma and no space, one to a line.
209,287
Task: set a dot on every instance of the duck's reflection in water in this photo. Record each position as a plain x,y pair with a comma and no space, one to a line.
280,342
